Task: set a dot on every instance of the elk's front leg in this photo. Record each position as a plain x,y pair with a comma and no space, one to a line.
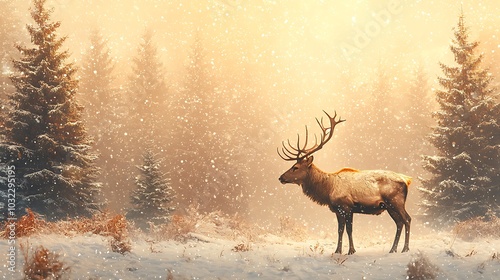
341,226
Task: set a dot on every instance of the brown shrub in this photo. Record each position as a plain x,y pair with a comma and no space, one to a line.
420,268
478,227
102,224
116,227
97,224
25,226
178,228
42,264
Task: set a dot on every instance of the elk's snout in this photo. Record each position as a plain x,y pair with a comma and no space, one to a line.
282,180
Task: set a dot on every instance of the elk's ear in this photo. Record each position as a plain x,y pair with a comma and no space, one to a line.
309,161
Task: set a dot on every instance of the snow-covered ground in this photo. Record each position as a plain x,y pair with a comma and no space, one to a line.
210,256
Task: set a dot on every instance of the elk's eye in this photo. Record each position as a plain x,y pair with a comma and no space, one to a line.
294,168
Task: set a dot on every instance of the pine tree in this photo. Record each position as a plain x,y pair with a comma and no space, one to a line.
9,34
380,144
207,175
153,200
103,111
45,138
96,81
148,118
465,181
147,88
418,122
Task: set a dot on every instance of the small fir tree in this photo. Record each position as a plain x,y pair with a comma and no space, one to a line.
153,200
465,180
45,139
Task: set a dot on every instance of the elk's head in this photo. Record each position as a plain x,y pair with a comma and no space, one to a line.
298,172
302,155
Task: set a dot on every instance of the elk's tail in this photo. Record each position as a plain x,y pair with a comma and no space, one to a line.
406,179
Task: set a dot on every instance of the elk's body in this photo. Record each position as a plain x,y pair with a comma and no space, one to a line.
349,191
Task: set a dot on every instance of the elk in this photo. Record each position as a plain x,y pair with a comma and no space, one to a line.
348,190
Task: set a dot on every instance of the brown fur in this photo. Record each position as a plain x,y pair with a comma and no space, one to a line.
349,191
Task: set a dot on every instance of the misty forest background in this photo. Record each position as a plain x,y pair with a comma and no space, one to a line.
185,104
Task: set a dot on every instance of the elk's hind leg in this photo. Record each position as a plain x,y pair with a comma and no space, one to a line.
400,217
407,222
399,227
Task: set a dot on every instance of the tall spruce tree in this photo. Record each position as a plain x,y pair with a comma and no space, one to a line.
147,88
45,139
465,180
381,145
96,82
417,119
10,34
207,174
104,110
153,200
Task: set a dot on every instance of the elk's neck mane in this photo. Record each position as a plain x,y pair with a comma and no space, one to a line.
318,185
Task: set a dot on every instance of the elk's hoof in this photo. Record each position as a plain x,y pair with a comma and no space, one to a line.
393,250
405,249
351,251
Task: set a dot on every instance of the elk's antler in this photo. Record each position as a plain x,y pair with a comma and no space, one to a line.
299,153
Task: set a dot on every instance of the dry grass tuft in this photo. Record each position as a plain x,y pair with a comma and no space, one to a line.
317,249
42,264
180,226
421,268
292,229
479,227
97,224
120,246
103,224
25,226
242,247
178,229
217,223
339,259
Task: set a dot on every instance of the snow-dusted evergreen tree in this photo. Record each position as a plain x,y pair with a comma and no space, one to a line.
417,120
465,178
380,143
148,90
10,34
207,174
45,138
153,200
96,82
104,111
